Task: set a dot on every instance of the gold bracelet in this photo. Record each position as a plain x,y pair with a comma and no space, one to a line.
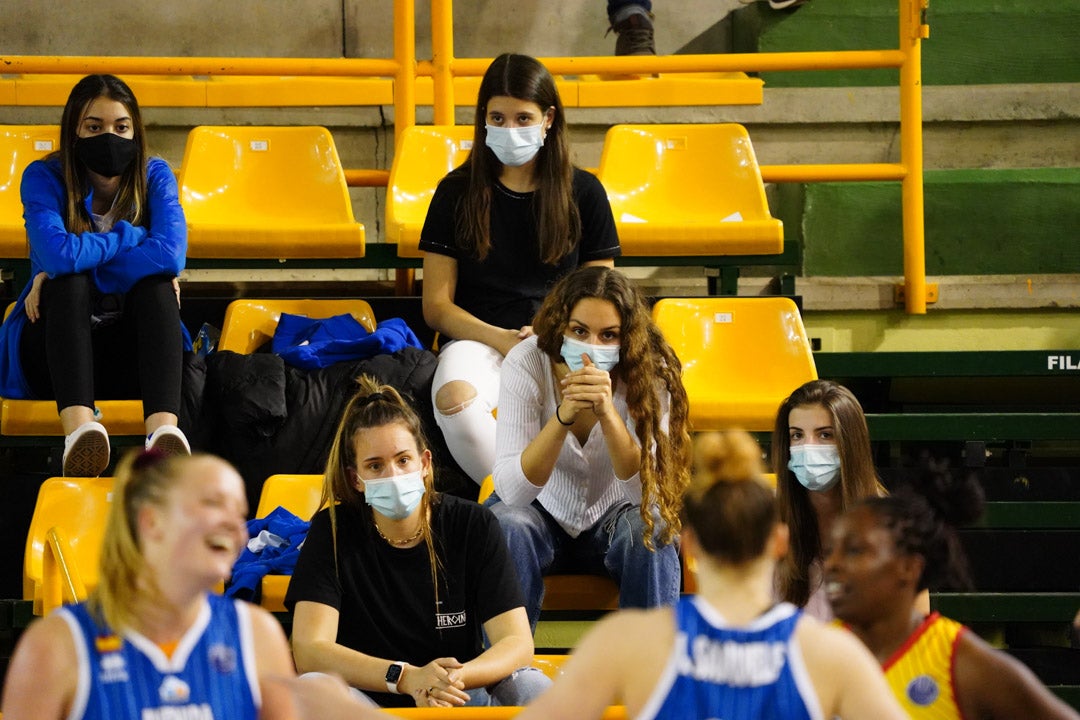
564,424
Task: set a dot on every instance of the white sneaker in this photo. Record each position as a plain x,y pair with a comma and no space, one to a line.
168,440
86,451
782,4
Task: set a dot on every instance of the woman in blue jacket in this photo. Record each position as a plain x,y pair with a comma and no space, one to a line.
101,317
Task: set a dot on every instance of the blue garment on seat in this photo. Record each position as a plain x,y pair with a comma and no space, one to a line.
278,559
312,343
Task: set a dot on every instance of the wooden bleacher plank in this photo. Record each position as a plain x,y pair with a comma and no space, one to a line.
992,607
298,91
151,90
989,363
974,426
1031,515
688,89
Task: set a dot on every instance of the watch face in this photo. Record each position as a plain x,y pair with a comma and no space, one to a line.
393,673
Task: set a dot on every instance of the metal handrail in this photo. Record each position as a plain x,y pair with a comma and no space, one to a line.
444,67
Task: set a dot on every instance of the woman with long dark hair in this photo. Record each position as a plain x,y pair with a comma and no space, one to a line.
501,229
824,464
593,443
100,318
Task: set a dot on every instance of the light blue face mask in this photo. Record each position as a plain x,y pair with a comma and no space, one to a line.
517,145
395,497
604,357
817,467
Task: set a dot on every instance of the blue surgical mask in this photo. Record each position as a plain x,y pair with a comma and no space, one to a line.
517,145
817,467
395,497
604,357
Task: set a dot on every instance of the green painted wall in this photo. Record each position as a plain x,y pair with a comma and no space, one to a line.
971,41
976,222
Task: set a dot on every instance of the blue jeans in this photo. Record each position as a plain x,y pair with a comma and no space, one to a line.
614,6
614,546
518,688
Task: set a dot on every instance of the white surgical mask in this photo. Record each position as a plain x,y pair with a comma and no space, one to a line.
517,145
604,357
396,496
817,467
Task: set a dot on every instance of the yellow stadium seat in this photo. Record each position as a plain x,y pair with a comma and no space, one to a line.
40,417
267,192
423,156
64,543
687,190
570,592
249,324
741,357
299,494
19,146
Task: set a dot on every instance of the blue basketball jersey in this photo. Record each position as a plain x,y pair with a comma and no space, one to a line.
210,676
723,672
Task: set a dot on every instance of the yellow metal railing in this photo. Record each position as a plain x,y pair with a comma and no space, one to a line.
443,68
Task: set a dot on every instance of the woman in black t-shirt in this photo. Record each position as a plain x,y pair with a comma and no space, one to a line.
396,585
500,231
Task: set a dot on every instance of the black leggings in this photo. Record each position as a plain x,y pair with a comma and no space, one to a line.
137,356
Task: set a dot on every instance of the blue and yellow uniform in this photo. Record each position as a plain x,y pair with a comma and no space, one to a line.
719,671
920,673
209,676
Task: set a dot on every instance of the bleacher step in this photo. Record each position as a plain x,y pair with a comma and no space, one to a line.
971,41
978,221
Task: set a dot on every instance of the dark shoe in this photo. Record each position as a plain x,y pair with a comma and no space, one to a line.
635,35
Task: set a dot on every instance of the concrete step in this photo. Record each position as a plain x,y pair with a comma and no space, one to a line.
971,41
981,222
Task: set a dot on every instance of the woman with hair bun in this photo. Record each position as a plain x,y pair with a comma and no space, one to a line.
886,551
732,650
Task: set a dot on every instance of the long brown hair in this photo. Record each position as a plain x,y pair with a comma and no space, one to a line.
373,406
131,203
557,218
858,477
649,368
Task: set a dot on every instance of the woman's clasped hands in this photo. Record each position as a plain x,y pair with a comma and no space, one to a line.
437,684
586,389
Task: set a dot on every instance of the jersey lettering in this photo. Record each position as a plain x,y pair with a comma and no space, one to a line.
188,712
733,663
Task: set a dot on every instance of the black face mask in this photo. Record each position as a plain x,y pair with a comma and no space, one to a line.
106,154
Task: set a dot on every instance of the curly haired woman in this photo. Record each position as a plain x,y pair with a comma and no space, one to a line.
593,446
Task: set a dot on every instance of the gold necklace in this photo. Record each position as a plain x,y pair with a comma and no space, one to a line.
406,541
